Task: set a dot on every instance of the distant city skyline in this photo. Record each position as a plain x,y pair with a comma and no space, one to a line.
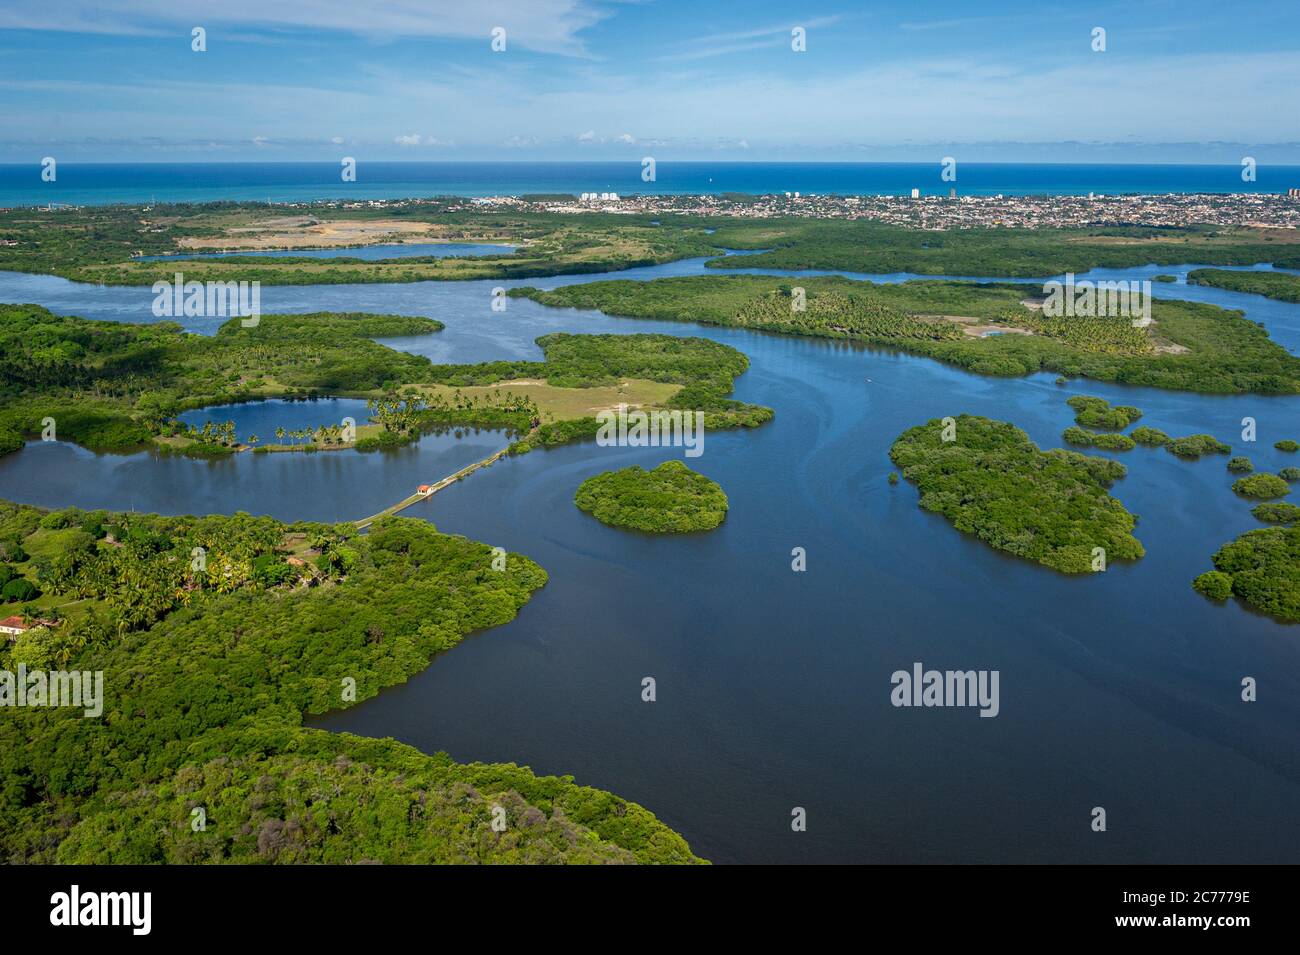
118,81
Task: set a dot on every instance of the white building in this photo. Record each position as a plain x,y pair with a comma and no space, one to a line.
13,627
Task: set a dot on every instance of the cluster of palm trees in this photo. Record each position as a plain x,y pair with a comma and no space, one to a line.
1102,335
137,586
837,312
325,434
398,415
213,433
508,402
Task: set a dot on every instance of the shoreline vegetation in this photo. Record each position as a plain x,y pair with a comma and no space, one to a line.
209,666
984,328
670,499
1282,286
112,386
988,479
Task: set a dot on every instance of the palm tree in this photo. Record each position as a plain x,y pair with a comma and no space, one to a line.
279,435
253,439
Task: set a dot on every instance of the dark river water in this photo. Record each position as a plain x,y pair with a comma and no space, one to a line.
1119,690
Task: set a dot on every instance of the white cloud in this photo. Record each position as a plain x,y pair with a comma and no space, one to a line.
720,44
1184,98
625,138
549,26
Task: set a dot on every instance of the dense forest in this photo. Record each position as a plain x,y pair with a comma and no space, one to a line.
1190,346
990,480
209,665
670,499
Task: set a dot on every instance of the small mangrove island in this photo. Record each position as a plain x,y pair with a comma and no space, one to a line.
1092,412
990,480
1262,569
671,499
1261,486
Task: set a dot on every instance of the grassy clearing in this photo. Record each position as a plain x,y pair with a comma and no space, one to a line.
561,404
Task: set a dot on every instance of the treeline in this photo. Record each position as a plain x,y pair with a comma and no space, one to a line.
1282,286
878,248
585,361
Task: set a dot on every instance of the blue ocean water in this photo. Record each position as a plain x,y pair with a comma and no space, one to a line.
106,183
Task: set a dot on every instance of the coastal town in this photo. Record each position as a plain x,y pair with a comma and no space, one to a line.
919,210
950,210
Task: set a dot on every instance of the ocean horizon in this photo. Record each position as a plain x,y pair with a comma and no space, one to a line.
89,184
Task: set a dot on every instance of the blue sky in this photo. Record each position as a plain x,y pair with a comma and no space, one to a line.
281,80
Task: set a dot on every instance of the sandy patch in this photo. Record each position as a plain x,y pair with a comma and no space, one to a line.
308,232
973,327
